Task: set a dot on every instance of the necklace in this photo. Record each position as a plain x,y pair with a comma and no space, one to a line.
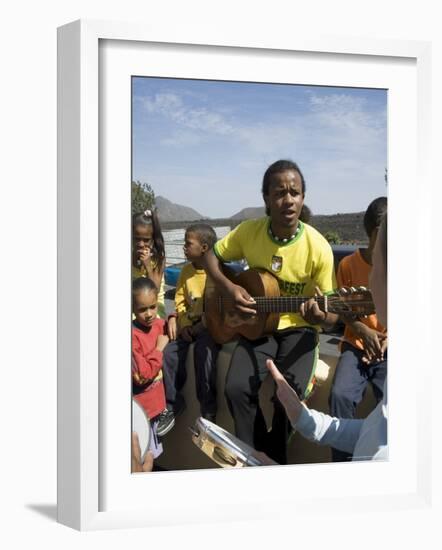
275,238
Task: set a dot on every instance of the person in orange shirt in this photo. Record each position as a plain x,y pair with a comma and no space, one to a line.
364,345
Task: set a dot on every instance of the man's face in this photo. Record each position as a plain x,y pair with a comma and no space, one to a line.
145,305
285,198
193,249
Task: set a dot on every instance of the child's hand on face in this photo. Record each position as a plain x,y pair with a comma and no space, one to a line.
162,342
144,256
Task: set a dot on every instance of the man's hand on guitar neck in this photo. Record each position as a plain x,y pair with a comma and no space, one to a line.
311,313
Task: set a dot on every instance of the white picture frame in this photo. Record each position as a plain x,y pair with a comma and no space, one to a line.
83,291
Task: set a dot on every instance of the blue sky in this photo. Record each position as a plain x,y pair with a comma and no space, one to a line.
207,144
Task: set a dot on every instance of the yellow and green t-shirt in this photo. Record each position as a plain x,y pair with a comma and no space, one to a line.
299,265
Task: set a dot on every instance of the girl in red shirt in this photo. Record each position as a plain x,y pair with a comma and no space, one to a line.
149,338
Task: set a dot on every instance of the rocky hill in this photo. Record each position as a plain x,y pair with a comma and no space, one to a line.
349,227
249,213
171,212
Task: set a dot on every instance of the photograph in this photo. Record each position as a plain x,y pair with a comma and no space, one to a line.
259,273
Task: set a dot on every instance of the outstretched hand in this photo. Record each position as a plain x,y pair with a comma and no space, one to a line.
285,393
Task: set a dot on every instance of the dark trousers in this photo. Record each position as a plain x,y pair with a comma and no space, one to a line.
294,352
205,353
350,384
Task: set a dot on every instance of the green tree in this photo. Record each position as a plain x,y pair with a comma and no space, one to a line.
143,197
333,237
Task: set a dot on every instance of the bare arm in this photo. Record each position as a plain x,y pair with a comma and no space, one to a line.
212,267
155,272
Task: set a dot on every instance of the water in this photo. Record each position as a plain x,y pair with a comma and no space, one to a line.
174,240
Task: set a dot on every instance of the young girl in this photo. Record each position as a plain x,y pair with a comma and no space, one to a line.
149,338
148,256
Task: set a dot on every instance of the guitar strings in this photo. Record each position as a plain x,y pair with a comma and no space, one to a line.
335,304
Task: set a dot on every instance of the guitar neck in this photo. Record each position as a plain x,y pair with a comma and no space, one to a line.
286,304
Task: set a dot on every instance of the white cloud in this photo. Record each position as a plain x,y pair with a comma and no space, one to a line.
173,107
181,138
343,113
163,103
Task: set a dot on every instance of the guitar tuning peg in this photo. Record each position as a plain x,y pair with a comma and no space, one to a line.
353,289
343,291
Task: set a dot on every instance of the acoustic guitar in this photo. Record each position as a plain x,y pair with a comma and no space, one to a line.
225,323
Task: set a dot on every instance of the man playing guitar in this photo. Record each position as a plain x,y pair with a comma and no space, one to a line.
302,261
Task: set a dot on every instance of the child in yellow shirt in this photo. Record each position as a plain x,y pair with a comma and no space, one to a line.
199,239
